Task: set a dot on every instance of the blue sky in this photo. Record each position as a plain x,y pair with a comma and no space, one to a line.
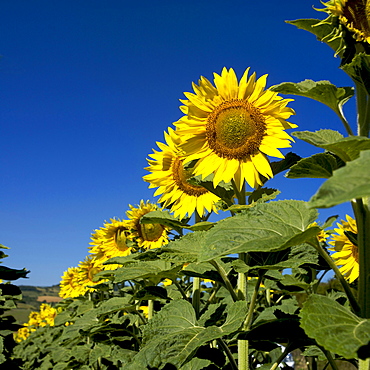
88,87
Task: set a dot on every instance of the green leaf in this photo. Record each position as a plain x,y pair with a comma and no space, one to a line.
359,69
319,165
346,148
349,182
173,335
267,227
284,164
322,91
7,273
326,30
163,218
142,270
199,226
223,190
334,327
297,256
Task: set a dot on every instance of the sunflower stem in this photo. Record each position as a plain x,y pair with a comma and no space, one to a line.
240,195
364,364
362,214
196,296
225,279
150,309
351,298
362,99
252,305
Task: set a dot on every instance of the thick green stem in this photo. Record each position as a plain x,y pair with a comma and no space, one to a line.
362,213
243,351
364,364
240,195
352,300
150,309
362,99
196,296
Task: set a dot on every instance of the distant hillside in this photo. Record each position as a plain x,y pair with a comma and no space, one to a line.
32,297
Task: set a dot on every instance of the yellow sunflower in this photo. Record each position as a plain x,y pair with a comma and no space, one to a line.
110,240
88,268
353,14
322,236
148,236
70,286
171,178
233,127
346,251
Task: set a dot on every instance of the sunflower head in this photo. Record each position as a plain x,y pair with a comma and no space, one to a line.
70,284
353,14
147,236
111,240
232,126
88,268
171,177
345,248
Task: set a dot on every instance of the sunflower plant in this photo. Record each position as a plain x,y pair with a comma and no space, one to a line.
168,288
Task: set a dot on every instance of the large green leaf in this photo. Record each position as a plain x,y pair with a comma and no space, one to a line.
322,91
173,335
349,182
346,148
334,327
142,270
267,227
325,30
319,165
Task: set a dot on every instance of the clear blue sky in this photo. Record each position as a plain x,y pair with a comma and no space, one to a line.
88,87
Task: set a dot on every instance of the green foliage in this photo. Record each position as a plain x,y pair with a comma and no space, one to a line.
321,91
356,185
319,165
334,327
346,148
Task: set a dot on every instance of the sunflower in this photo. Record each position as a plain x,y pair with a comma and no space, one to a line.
148,236
232,127
110,240
88,268
322,236
345,248
171,178
353,14
70,286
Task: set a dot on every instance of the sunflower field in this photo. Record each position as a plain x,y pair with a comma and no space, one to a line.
166,288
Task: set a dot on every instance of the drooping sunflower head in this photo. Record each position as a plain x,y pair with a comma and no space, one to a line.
169,175
70,286
111,240
233,126
345,247
147,236
353,14
88,268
